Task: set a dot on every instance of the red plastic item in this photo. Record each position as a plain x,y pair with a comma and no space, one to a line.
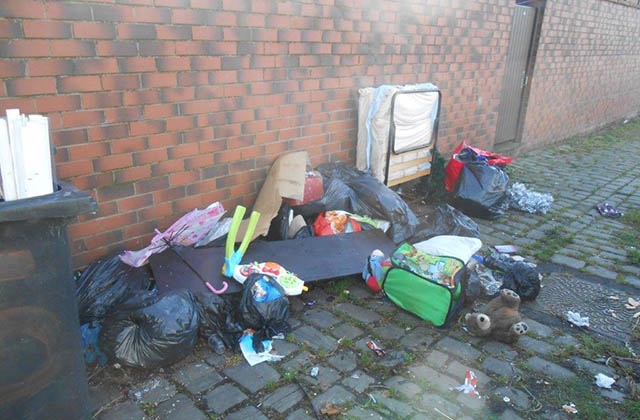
335,222
454,167
313,189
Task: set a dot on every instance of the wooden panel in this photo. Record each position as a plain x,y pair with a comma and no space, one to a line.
312,259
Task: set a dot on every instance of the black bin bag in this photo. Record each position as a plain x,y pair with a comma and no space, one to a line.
105,284
372,198
481,190
149,331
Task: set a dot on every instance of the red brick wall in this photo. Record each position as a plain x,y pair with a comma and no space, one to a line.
161,106
587,73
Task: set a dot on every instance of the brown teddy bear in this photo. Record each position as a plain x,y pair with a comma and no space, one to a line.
500,319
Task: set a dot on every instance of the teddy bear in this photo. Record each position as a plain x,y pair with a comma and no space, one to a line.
500,319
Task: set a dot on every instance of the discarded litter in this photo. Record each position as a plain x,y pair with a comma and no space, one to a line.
289,281
447,220
523,199
187,230
377,349
330,409
506,249
253,357
105,284
608,210
576,319
149,331
570,408
632,304
232,257
314,371
603,381
519,276
469,385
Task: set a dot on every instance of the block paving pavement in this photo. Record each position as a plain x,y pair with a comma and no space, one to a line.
414,380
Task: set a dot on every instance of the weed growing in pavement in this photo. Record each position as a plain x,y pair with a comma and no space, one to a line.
630,238
632,408
555,238
148,408
233,359
338,287
591,348
347,343
290,376
271,386
366,359
590,405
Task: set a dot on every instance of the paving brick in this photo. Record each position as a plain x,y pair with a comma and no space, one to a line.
315,339
397,407
248,412
548,368
336,395
457,348
361,413
435,405
346,330
283,398
472,402
536,346
404,386
301,414
326,377
417,338
390,332
592,368
319,318
426,374
568,261
500,367
601,272
500,350
437,358
153,391
358,313
177,408
253,378
358,381
223,397
283,347
518,398
128,410
197,378
539,329
299,362
344,361
566,340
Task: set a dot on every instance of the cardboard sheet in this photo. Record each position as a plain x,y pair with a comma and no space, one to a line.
285,179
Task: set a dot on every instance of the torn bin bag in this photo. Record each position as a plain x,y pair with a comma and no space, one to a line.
149,331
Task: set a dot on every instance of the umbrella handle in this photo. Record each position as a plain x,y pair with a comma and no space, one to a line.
225,285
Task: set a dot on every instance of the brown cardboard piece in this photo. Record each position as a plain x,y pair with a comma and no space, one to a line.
285,179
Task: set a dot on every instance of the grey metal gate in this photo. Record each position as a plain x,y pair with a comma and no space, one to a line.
515,75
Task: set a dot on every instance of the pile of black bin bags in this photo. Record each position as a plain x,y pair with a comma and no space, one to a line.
126,321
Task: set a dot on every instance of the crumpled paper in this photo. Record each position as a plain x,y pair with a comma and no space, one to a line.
577,320
603,381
